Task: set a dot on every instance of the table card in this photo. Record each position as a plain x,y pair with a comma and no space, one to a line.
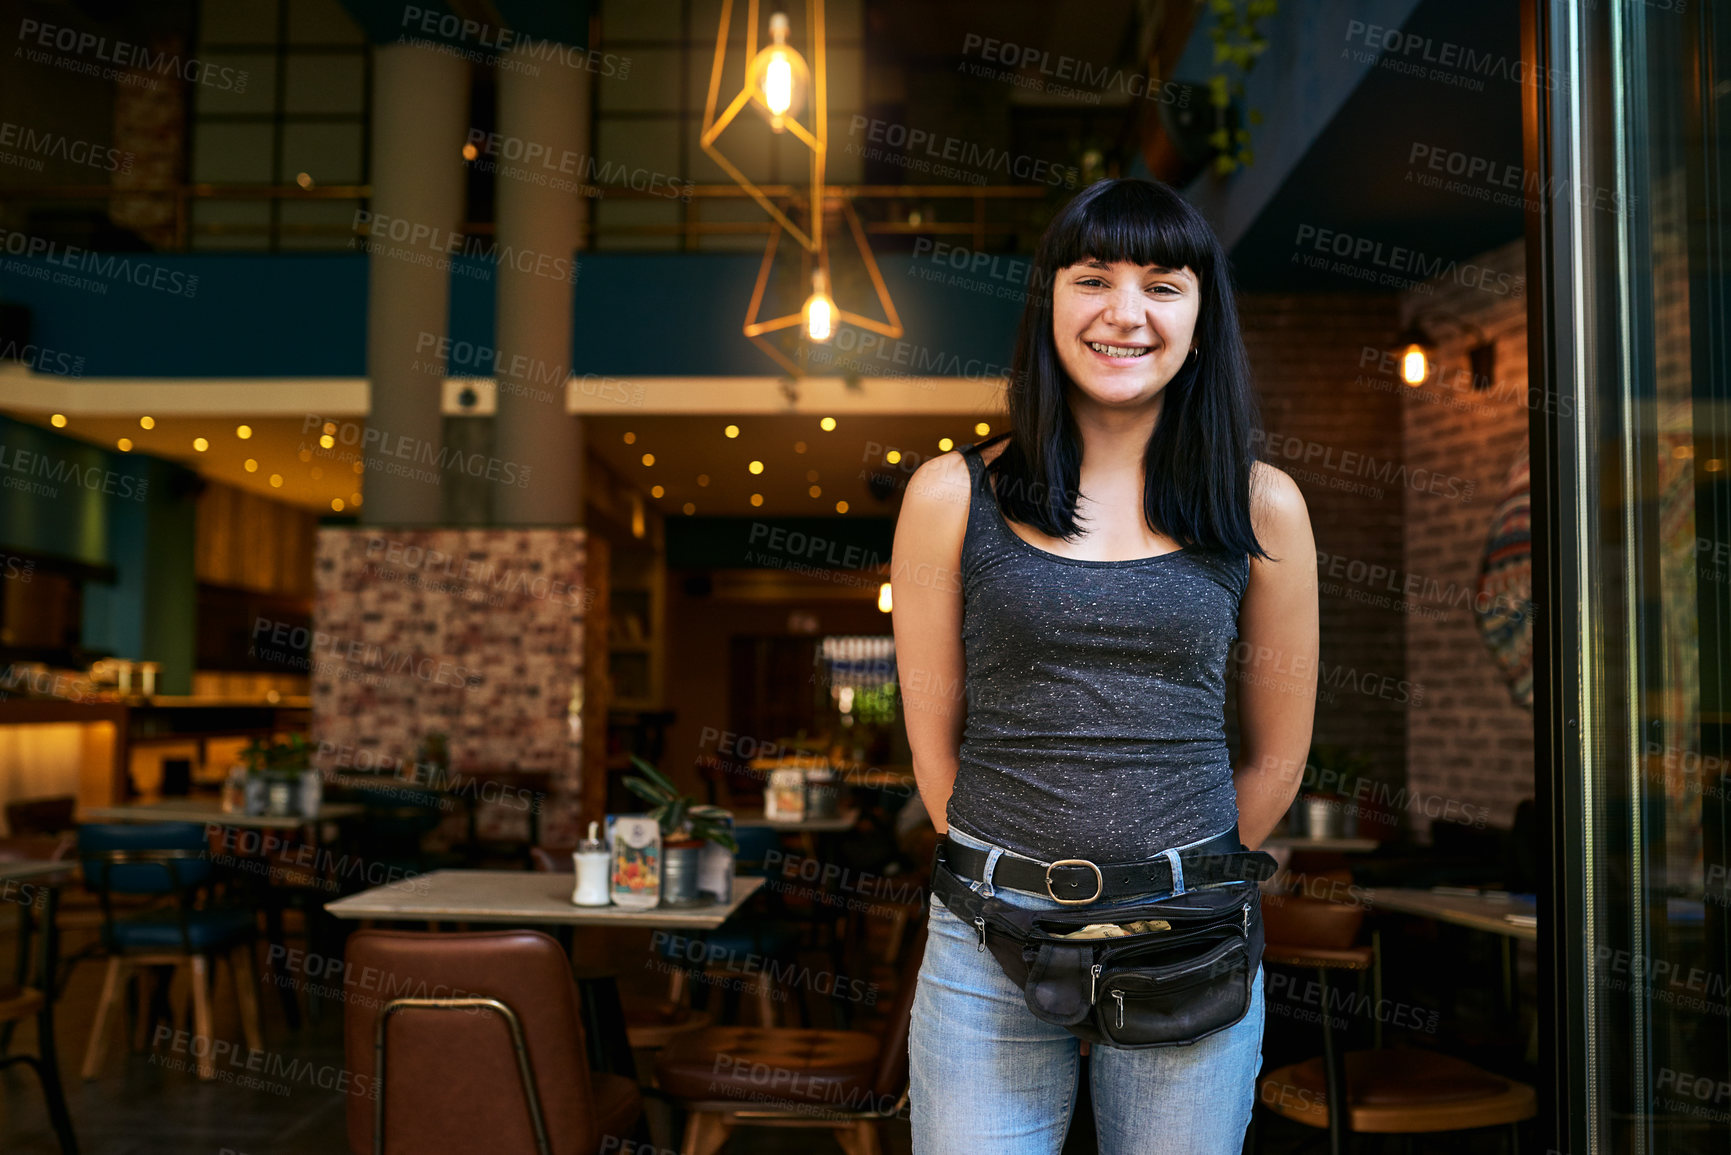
636,847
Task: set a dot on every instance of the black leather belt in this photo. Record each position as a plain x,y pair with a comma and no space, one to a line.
1078,882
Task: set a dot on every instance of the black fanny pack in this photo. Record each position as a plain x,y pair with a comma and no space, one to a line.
1182,968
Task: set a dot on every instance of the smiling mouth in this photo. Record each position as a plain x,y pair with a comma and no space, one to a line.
1126,352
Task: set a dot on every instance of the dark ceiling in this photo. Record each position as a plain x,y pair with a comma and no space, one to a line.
1355,177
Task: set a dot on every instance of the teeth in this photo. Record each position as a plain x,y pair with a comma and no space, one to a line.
1116,350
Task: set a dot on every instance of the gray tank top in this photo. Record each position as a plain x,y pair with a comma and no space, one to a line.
1096,694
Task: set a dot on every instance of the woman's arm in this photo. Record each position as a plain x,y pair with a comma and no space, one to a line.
1275,657
926,612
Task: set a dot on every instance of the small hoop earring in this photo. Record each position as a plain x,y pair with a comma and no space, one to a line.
1195,351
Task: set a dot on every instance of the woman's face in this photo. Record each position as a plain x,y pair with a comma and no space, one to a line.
1122,330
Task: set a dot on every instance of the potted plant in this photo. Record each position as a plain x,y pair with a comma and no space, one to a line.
280,777
1331,775
686,826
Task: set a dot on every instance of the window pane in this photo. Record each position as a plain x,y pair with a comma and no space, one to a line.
329,153
231,153
253,89
325,82
321,22
238,22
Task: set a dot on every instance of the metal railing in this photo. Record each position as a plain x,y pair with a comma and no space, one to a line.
977,212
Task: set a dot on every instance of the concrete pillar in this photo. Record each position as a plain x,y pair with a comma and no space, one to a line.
543,113
420,120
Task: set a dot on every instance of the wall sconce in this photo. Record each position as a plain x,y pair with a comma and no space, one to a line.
1418,351
777,80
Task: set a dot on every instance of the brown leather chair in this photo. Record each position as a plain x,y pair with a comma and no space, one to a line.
846,1081
1379,1091
480,1045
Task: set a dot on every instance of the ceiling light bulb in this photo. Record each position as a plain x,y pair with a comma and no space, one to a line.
778,84
779,75
819,311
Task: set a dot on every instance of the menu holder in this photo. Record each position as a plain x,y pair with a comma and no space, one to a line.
634,841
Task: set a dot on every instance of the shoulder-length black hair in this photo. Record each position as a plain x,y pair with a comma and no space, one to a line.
1199,457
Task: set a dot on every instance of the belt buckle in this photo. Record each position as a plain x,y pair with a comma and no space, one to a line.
1099,882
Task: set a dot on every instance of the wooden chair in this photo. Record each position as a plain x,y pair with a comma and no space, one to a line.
1381,1091
485,1050
166,859
848,1082
20,1001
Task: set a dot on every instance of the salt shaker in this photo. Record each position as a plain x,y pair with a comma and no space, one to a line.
592,862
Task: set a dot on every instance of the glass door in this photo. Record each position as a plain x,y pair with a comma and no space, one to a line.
1626,131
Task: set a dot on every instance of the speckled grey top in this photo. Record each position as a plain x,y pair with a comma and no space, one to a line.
1096,694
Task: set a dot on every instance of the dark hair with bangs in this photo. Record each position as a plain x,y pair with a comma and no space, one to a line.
1198,460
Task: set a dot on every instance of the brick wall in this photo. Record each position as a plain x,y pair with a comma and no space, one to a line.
1334,439
1469,742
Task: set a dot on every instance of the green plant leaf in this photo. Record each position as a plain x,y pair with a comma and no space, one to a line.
645,791
715,832
654,775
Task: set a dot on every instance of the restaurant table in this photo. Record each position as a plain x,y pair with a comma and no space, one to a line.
842,822
517,898
209,810
1487,911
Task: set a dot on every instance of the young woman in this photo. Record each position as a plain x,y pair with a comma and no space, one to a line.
1071,598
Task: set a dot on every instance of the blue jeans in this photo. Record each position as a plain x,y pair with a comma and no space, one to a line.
986,1075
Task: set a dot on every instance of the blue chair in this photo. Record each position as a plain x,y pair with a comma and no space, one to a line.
170,861
764,934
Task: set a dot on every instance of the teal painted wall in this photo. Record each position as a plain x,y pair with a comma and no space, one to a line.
61,497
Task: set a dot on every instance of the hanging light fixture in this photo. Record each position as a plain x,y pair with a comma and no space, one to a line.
819,315
777,82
